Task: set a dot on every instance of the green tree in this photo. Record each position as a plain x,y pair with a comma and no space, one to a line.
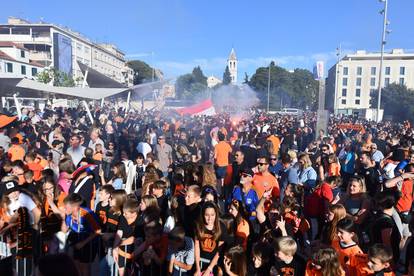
59,78
226,76
246,78
190,86
296,89
397,102
142,71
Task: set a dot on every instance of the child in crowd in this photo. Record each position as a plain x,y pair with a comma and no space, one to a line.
181,252
377,262
345,244
324,262
287,261
124,238
262,259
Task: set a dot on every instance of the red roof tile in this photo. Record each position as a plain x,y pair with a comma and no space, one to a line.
3,55
9,44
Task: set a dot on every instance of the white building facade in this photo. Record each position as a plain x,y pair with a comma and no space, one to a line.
213,81
15,62
61,48
351,81
232,64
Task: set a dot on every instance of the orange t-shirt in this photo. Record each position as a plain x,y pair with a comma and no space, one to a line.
16,152
221,153
310,271
406,199
262,183
275,142
334,169
345,254
359,265
37,169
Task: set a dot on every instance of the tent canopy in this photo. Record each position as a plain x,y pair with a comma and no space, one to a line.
31,88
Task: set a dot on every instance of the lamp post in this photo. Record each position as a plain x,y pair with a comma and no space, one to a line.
384,12
268,87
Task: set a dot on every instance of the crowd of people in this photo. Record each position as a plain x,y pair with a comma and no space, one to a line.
155,193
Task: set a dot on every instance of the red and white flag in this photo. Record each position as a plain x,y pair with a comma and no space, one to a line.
205,107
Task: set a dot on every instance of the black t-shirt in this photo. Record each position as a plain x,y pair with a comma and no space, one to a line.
208,245
383,221
267,229
372,179
102,213
295,268
128,230
191,216
112,222
163,204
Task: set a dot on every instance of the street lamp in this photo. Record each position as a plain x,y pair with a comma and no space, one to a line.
383,41
268,88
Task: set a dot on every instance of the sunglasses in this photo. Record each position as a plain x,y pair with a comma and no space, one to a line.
245,175
273,158
261,164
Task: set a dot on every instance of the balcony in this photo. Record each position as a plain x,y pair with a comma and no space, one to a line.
40,55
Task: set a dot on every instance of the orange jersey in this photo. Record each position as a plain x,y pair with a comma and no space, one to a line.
221,153
334,169
359,266
262,183
345,253
311,271
16,152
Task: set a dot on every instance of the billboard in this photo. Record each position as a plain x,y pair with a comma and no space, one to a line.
318,70
62,53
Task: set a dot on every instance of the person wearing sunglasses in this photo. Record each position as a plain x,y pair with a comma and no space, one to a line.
245,193
263,180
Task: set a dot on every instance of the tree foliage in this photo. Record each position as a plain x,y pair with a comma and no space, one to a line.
190,86
397,102
59,78
287,89
226,76
142,71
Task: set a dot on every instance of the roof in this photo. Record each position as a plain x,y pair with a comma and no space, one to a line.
9,44
3,55
232,55
96,79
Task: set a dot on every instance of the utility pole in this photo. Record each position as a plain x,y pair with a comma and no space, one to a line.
384,12
268,88
336,94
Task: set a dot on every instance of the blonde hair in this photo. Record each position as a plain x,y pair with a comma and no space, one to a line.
305,157
209,176
361,182
286,245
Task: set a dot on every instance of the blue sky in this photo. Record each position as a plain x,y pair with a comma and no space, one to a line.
186,33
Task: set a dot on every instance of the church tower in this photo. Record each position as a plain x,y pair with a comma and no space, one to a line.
232,64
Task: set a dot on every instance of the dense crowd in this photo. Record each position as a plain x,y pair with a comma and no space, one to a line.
155,193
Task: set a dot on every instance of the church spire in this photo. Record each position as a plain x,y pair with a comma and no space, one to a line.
232,64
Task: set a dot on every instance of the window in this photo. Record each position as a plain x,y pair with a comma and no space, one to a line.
402,71
87,50
4,30
372,82
22,54
401,81
345,72
23,70
34,72
357,102
373,71
20,30
358,92
9,67
345,81
343,101
387,71
371,92
79,46
358,81
343,92
387,82
359,71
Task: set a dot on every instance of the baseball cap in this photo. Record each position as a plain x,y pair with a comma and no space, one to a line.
11,186
247,171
